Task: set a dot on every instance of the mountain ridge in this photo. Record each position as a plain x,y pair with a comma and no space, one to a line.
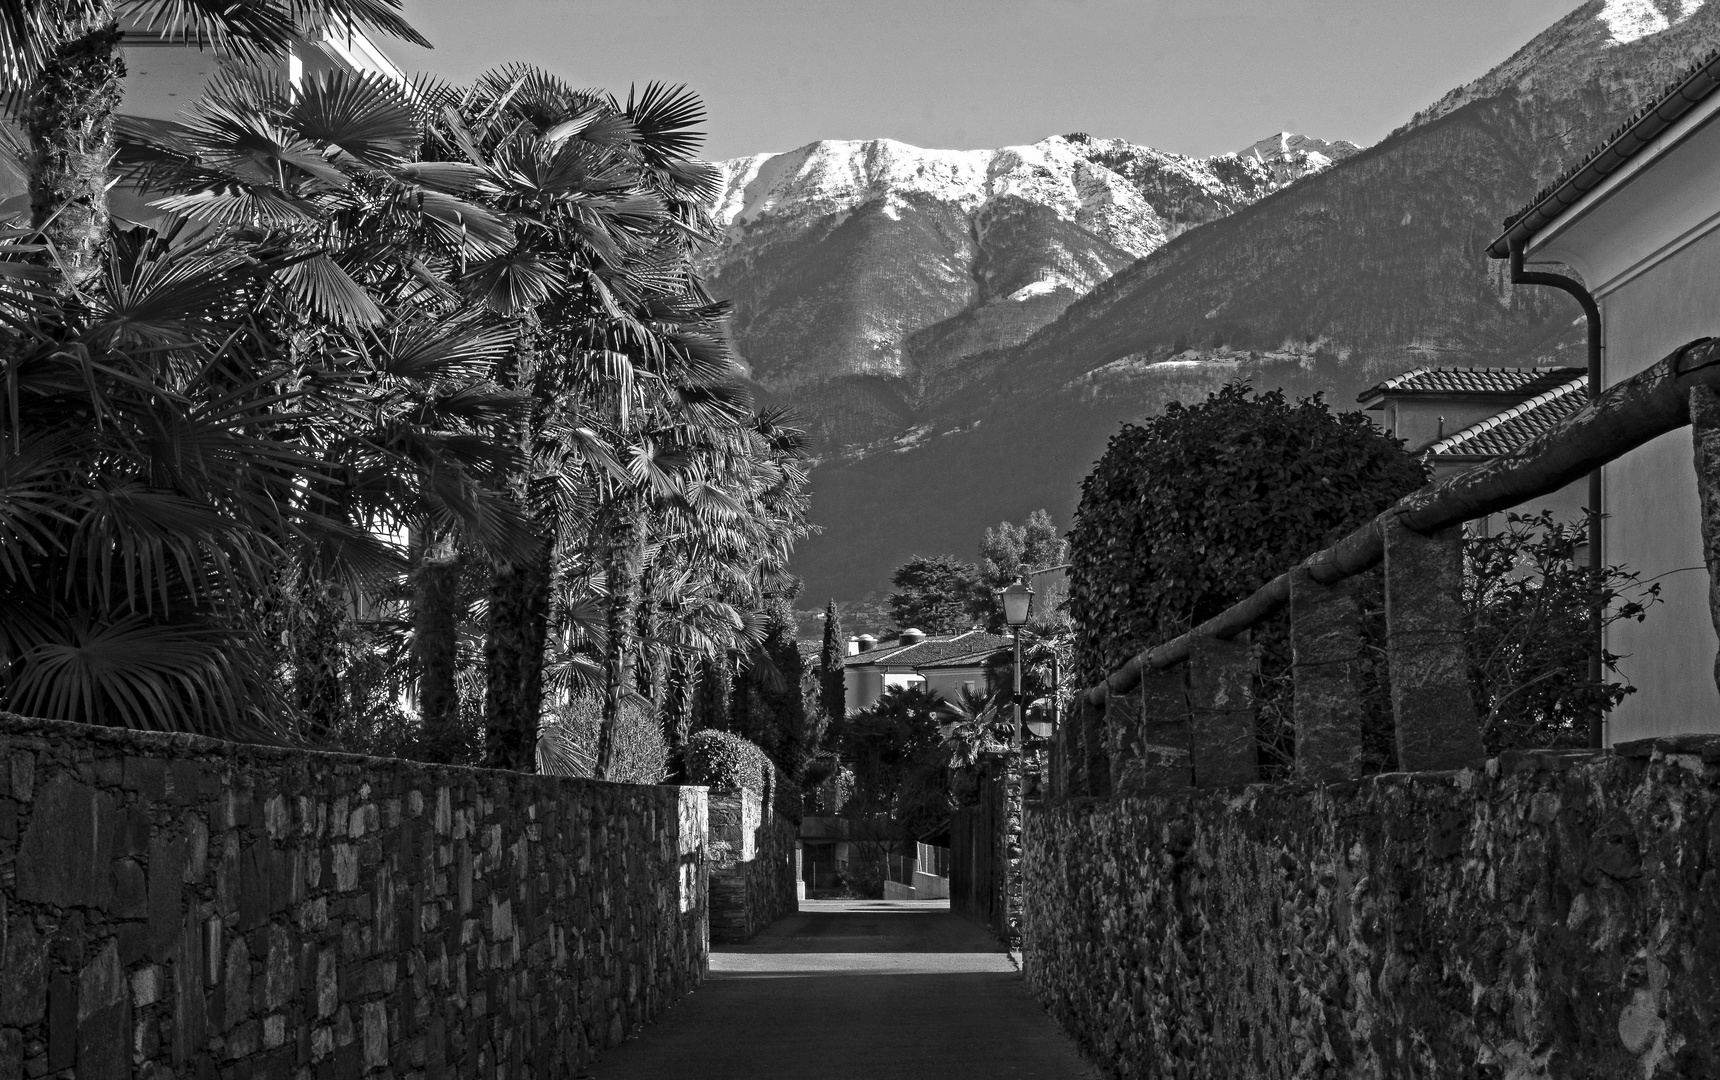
1350,274
862,270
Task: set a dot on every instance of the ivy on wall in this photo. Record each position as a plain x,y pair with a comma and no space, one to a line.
1190,511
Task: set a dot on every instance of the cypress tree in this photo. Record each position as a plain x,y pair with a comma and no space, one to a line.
832,691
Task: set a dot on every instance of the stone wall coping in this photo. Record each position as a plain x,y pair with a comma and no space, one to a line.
180,744
1509,763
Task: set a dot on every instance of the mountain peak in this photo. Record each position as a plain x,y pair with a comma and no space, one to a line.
878,260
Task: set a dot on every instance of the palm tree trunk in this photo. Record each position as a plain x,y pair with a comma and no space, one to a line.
618,567
679,687
435,640
68,120
513,661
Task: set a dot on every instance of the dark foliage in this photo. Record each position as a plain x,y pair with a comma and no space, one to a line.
899,761
724,761
1191,511
832,689
934,593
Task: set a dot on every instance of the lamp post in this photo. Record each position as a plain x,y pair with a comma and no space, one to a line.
1017,599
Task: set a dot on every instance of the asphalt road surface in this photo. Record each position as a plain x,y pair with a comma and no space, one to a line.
872,989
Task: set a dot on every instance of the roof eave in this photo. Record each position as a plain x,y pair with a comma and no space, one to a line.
1621,148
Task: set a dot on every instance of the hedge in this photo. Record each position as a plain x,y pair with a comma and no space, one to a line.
725,761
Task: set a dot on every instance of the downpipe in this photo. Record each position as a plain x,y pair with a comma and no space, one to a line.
1592,313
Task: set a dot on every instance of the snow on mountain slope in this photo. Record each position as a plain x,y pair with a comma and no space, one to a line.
1372,266
889,264
1563,59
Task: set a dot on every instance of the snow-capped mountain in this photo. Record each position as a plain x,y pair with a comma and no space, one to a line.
864,273
1365,268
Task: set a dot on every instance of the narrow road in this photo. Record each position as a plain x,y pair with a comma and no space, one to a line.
855,989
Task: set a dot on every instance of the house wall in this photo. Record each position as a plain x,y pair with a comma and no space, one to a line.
864,687
1644,242
1418,418
177,906
1652,523
947,683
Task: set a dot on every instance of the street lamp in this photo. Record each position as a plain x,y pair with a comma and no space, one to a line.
1017,600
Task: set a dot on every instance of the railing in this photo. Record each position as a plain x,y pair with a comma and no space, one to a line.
1147,727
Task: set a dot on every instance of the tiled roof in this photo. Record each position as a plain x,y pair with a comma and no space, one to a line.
1506,381
935,648
1637,132
971,659
1504,434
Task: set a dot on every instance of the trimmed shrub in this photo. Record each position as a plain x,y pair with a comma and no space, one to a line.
724,761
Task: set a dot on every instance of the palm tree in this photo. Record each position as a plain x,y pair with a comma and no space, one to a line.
603,199
61,61
306,293
149,483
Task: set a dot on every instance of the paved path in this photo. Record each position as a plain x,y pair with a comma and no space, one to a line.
851,989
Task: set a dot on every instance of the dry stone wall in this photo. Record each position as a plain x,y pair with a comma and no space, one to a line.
1549,916
176,907
752,865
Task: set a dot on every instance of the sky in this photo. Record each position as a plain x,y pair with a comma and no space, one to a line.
1192,76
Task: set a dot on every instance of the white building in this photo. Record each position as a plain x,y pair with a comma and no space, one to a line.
943,664
1639,220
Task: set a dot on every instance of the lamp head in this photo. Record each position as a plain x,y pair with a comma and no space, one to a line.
1016,600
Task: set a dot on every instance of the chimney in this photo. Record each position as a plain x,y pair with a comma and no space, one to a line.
865,643
853,644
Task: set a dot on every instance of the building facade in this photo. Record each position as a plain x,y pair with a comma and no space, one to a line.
1639,220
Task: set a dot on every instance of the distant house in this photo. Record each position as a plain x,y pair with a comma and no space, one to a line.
1456,418
943,664
1639,219
165,74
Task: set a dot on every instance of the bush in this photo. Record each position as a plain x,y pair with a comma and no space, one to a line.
567,744
1529,603
1190,511
724,761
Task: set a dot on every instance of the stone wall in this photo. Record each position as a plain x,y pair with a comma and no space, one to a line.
1549,916
179,907
752,869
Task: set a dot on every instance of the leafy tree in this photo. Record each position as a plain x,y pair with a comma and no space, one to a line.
933,593
1009,553
899,762
1192,510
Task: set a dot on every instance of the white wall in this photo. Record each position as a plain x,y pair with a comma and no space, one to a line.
1652,522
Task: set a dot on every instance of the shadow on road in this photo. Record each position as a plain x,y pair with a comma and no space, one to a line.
851,989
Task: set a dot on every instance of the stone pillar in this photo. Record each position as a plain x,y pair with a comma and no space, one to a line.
1165,765
1326,651
1222,737
1092,763
1431,707
1123,743
1705,430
